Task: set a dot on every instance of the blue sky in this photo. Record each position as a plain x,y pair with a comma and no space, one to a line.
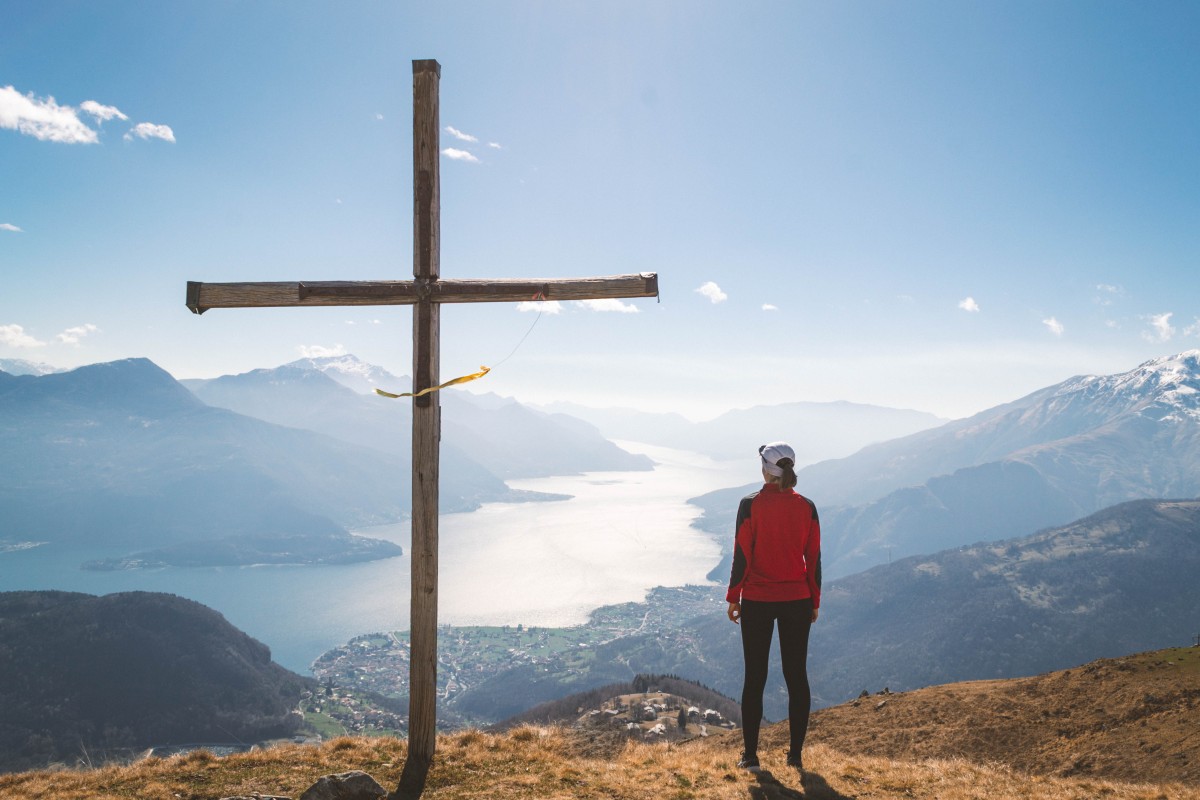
939,206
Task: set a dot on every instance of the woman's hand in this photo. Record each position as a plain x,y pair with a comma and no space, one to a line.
814,619
735,613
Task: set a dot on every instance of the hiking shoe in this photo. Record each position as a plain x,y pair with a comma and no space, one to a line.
794,760
749,763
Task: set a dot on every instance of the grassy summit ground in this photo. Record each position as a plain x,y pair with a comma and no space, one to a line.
1120,729
550,763
1134,718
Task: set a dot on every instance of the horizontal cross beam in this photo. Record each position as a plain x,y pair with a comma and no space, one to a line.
203,296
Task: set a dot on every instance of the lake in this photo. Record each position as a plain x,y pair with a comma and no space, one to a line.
543,564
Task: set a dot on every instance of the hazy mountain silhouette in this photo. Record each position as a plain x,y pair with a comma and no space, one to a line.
818,431
121,453
1057,454
507,439
19,366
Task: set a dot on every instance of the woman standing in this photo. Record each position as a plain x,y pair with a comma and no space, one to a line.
776,576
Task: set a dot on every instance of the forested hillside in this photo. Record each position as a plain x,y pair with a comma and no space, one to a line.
82,677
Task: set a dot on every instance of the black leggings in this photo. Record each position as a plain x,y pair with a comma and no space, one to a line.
758,624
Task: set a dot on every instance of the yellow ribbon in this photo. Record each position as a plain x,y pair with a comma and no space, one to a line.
464,379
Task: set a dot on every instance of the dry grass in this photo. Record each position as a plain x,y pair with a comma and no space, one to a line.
1131,719
549,763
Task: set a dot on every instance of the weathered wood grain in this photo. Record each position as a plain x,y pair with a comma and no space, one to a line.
203,296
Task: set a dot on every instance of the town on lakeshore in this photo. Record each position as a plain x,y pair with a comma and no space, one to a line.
363,679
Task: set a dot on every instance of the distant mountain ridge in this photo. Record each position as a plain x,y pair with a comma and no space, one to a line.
1055,455
123,454
19,366
504,439
818,431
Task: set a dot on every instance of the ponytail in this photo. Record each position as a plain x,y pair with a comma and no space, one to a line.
788,479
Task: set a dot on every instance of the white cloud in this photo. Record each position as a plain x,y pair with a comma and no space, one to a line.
495,145
100,112
8,226
379,116
148,130
457,134
968,304
1161,328
770,307
1193,329
609,304
73,335
713,292
42,119
1108,293
459,155
543,306
15,336
1054,325
318,351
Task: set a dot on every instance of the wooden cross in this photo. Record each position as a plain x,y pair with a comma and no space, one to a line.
427,291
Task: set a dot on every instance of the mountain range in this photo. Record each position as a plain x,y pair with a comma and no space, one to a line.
1116,582
121,453
506,438
20,366
1055,455
819,431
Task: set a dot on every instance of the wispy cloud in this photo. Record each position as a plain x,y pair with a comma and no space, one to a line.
1193,329
460,155
713,292
457,134
73,335
968,304
102,112
319,351
609,304
542,306
42,118
148,130
770,307
8,226
1054,325
15,336
1161,329
495,145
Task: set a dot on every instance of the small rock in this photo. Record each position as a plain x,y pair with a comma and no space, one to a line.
356,785
878,706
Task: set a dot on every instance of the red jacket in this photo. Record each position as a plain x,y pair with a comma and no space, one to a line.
777,552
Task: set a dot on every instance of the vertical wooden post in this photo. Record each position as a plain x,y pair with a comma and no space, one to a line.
426,432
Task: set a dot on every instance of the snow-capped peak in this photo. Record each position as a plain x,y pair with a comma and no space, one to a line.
1163,388
352,372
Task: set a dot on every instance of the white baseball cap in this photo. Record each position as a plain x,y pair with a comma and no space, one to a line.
773,453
